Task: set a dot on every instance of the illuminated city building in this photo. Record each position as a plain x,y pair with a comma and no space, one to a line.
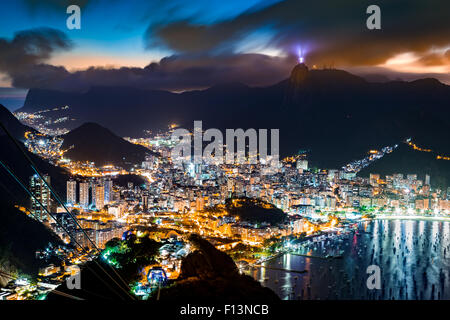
108,184
99,198
84,194
71,192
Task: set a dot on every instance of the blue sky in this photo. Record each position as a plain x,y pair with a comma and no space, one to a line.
114,30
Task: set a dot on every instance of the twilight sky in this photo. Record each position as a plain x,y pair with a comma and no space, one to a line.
179,44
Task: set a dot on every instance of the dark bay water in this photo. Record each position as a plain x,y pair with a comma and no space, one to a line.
413,256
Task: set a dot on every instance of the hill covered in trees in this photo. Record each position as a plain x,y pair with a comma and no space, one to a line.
254,210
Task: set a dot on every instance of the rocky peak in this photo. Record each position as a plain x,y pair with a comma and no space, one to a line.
299,74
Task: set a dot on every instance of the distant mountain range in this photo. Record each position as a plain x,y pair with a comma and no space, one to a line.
335,115
92,142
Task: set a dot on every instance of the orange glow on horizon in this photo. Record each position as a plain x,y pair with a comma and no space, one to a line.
409,62
78,61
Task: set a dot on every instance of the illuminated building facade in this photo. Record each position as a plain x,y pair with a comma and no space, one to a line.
99,197
84,194
108,184
71,192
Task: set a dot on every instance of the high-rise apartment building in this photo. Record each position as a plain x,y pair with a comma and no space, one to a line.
41,196
108,184
99,198
84,194
71,192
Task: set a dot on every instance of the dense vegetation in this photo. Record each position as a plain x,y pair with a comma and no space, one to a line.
208,274
131,255
254,210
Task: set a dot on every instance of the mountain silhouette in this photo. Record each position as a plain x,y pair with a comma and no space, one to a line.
92,142
334,114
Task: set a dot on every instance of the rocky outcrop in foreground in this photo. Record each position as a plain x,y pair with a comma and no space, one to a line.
208,274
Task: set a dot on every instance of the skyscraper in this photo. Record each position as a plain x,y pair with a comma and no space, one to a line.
42,194
71,191
99,199
84,194
108,184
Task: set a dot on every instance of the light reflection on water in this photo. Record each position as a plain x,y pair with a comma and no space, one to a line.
413,256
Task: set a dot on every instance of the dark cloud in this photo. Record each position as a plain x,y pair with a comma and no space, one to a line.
22,57
23,60
330,31
202,71
183,37
435,59
172,73
39,76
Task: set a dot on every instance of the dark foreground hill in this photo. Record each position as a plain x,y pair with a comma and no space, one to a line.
207,274
407,160
11,123
335,115
92,142
20,238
